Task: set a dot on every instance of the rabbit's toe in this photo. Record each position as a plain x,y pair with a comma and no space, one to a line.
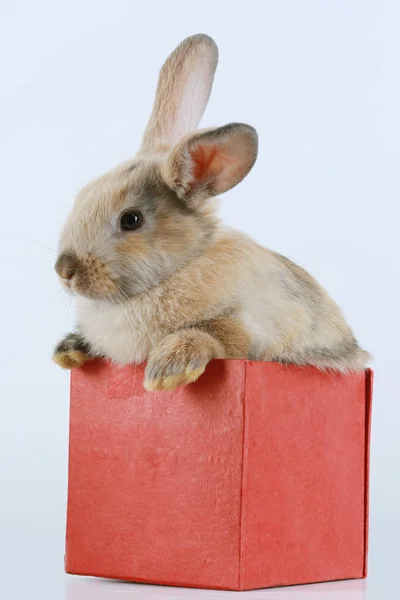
71,352
171,382
71,359
179,359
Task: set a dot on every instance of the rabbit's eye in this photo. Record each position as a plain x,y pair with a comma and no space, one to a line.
131,220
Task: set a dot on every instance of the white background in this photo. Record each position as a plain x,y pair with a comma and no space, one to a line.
320,82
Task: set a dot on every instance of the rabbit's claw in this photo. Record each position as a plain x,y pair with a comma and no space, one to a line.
171,382
71,352
178,360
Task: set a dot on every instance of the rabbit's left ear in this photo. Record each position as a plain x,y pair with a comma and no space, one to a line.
211,162
183,89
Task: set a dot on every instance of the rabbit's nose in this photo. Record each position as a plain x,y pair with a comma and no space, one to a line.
66,265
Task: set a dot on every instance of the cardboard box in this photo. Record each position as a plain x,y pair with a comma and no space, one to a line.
254,476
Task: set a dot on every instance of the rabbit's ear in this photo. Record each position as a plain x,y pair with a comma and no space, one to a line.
211,161
184,86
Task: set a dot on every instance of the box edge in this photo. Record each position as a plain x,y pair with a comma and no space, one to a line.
369,380
68,472
242,482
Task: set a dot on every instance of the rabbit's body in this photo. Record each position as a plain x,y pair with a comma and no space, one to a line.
158,278
282,311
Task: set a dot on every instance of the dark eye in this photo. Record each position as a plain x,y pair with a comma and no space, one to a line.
131,220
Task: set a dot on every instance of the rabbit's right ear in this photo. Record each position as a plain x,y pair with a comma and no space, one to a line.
184,86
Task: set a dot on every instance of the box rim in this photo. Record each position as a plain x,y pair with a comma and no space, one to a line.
369,380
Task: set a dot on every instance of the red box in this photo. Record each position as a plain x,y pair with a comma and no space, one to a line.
254,476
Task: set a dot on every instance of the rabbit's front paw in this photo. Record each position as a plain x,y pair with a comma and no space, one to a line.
179,359
173,372
71,352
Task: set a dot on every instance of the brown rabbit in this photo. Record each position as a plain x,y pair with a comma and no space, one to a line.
158,278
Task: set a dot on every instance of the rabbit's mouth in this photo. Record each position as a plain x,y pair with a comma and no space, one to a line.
86,276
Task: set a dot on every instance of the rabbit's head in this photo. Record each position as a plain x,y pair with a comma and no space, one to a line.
136,225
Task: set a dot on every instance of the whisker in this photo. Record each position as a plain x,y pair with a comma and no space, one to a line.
69,308
29,241
127,316
126,297
56,295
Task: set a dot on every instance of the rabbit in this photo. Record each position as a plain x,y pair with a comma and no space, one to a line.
158,278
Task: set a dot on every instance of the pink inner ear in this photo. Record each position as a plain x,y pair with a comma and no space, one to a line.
209,161
219,158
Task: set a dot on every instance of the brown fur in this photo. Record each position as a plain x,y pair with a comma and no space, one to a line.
182,289
211,161
70,359
230,333
179,76
71,352
181,358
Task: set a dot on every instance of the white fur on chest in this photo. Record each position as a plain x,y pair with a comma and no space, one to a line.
121,333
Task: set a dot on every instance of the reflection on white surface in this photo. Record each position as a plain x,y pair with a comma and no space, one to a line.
78,588
31,568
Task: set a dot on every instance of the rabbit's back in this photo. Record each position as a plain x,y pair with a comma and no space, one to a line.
284,312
